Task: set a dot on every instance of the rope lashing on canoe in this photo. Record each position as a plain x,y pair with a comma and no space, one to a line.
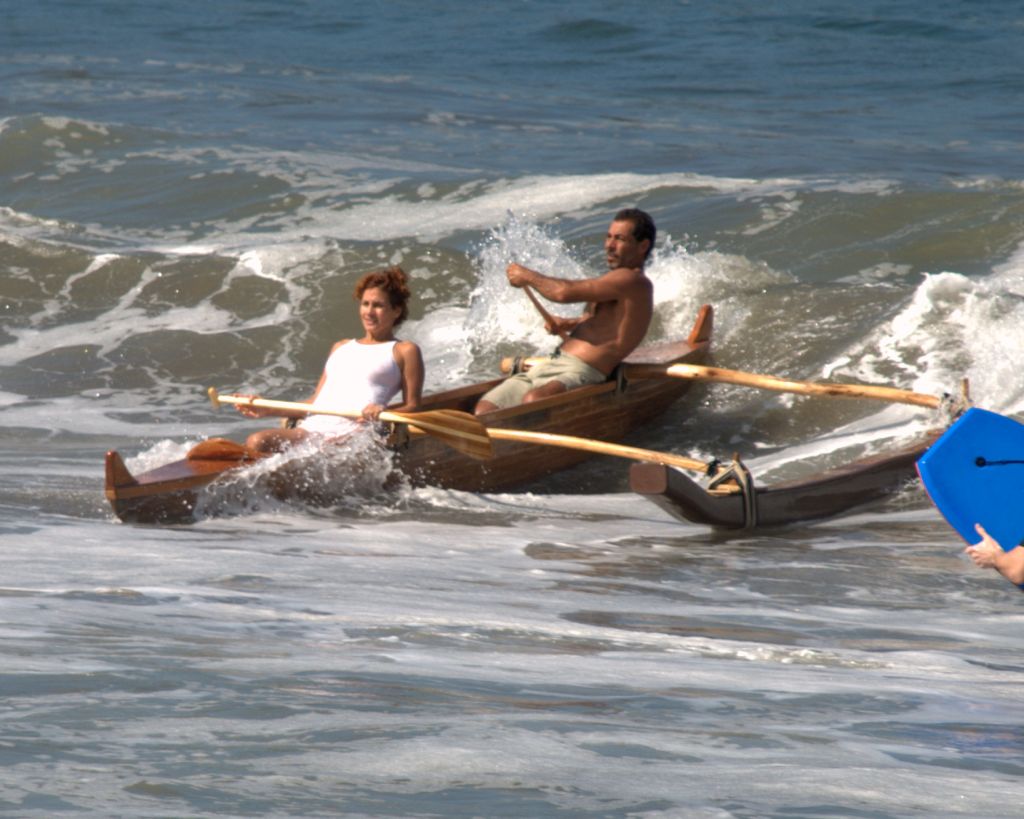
951,406
741,478
619,374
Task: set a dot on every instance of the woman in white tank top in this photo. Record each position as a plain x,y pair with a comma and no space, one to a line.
363,373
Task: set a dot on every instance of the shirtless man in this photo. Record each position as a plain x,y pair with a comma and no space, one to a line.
619,308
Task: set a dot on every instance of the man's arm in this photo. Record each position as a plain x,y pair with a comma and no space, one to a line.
609,287
556,325
564,325
988,554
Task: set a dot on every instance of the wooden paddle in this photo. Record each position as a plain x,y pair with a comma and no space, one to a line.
544,314
459,430
599,447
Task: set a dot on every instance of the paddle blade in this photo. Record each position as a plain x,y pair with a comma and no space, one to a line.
459,430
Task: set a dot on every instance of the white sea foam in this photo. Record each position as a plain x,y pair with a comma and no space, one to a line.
116,325
67,124
887,426
540,198
348,197
953,327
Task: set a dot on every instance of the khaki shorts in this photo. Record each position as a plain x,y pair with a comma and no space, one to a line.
569,370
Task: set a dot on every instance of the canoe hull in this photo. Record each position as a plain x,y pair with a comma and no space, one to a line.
822,495
608,412
166,494
604,412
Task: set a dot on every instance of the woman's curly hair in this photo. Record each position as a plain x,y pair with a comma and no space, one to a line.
394,282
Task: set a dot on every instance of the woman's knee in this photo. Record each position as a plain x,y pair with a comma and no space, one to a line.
266,440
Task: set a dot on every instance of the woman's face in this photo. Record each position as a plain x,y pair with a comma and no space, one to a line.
376,312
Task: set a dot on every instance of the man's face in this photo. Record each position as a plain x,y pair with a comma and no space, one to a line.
621,247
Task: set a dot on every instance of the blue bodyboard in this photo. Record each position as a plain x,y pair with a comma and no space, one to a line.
974,473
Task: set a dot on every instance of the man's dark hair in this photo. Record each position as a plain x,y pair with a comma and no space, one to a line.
643,226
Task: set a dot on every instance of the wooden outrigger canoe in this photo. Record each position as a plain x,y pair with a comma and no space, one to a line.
737,503
607,412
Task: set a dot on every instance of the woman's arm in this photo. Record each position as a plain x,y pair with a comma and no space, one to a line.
410,362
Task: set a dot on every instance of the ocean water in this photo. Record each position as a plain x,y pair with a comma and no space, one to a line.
188,193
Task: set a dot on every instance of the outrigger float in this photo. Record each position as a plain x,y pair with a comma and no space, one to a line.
730,498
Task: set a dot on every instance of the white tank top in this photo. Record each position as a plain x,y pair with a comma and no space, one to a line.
356,375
